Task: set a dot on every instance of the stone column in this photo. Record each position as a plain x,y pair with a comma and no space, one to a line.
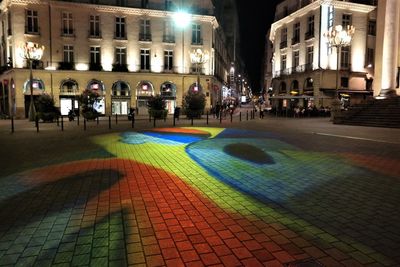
387,45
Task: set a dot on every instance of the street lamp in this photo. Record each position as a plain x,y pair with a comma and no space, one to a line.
30,52
182,19
199,57
339,37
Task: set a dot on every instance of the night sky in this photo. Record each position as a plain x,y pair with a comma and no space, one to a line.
254,20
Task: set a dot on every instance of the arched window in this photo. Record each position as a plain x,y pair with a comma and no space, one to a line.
309,83
294,88
69,86
121,88
168,89
96,85
37,85
194,89
145,88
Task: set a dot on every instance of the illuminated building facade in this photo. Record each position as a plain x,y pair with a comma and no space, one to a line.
304,65
127,51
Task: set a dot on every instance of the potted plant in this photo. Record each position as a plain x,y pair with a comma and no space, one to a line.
87,101
47,111
156,105
194,105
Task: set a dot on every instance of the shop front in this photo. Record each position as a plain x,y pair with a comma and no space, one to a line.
120,98
38,90
98,87
168,92
144,91
69,93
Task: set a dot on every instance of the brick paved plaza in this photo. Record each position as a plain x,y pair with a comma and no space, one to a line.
252,193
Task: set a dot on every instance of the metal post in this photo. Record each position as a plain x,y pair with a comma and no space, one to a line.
174,119
231,113
58,121
207,117
247,115
62,123
84,124
192,121
97,120
12,124
37,123
109,122
133,120
240,116
220,117
154,121
116,118
78,119
149,117
32,109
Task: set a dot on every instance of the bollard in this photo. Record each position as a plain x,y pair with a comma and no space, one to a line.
116,118
58,121
220,117
109,122
247,115
62,123
133,120
207,117
240,116
77,119
84,124
174,119
12,124
154,121
97,120
231,116
37,123
165,118
149,117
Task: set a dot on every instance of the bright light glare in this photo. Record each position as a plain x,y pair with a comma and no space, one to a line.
182,19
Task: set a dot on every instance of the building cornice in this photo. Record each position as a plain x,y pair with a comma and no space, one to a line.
111,9
315,5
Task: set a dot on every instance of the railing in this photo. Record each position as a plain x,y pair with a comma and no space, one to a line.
283,44
197,41
66,66
168,38
120,67
309,35
120,35
195,70
67,32
145,37
95,67
295,40
32,30
95,34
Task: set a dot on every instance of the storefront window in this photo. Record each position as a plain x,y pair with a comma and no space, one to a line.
168,89
36,83
120,88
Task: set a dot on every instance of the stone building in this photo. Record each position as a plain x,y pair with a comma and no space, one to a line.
126,50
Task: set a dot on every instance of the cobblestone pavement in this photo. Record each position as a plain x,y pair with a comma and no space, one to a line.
253,193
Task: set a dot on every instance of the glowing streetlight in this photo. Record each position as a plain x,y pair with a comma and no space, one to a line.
199,57
182,19
339,37
30,52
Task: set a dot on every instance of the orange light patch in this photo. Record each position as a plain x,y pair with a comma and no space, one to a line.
390,167
180,130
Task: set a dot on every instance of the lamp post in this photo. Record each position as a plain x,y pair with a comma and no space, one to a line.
182,19
30,52
338,37
199,57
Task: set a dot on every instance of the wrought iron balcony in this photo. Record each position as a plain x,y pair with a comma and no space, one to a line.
146,37
283,44
309,35
168,38
295,40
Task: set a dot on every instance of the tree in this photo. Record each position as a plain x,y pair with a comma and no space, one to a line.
87,100
194,104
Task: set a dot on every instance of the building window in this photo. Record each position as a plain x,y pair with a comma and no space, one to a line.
168,59
120,28
67,23
309,57
370,57
145,30
196,34
168,5
169,32
32,23
95,58
310,27
120,55
283,62
283,38
344,82
145,59
296,33
372,27
331,16
345,57
121,2
68,53
346,20
94,25
296,57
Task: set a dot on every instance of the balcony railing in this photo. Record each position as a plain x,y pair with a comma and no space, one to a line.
146,37
295,40
168,38
309,35
283,44
197,41
95,66
120,67
66,66
67,32
120,35
32,30
95,34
